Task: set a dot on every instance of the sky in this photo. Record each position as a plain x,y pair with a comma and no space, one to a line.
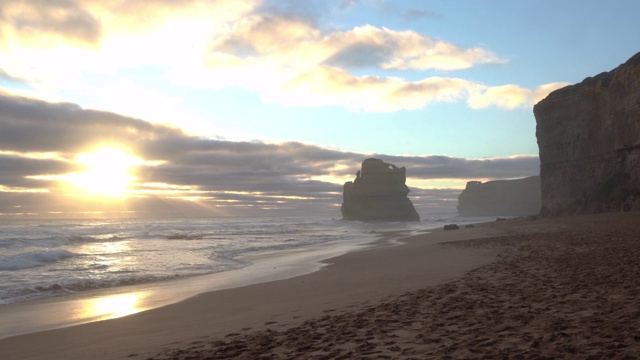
243,108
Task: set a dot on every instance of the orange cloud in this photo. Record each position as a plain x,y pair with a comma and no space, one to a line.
505,96
542,91
509,96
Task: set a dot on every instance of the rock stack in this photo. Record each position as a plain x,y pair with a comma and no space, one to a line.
518,197
378,193
589,140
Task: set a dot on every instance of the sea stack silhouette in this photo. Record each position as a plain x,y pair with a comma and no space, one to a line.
518,197
378,193
589,140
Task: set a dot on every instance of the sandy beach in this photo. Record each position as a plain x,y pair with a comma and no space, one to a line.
525,288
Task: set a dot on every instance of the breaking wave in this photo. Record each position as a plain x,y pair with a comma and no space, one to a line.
33,259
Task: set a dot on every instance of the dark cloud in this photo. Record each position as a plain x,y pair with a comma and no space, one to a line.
14,170
235,176
37,18
447,167
443,167
36,126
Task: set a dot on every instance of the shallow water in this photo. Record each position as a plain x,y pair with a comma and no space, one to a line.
47,258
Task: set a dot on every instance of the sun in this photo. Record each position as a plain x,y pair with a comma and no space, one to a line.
107,172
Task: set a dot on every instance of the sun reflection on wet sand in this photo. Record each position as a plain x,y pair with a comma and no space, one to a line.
97,305
110,307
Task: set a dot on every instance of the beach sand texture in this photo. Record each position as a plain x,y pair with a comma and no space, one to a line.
570,291
560,288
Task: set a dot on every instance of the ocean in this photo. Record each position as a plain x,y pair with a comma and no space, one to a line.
54,258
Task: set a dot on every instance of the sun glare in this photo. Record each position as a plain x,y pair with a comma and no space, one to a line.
107,173
111,307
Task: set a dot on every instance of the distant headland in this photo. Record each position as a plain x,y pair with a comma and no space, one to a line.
518,197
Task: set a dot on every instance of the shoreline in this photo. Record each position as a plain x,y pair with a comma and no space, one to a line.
560,288
71,310
249,306
563,287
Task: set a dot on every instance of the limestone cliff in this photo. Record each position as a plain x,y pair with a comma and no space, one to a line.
378,193
517,197
589,140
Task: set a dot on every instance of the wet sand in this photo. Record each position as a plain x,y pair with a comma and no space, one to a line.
109,303
564,288
568,288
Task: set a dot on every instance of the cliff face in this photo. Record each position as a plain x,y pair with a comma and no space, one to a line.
518,197
589,140
378,193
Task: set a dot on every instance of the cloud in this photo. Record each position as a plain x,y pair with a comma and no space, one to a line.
505,96
15,169
422,92
41,21
86,47
297,43
447,167
389,49
189,173
57,45
31,125
542,91
37,22
328,86
291,62
509,96
6,77
416,15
